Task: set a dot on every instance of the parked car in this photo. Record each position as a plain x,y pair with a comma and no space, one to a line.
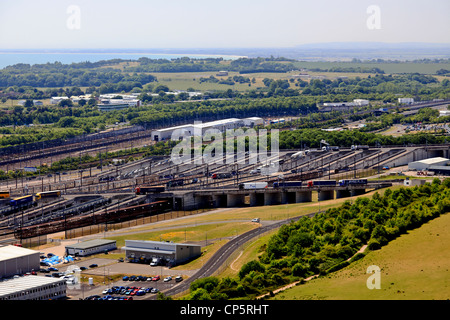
125,278
156,278
167,279
52,269
154,290
178,279
93,265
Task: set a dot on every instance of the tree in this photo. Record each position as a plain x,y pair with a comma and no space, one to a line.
251,266
65,103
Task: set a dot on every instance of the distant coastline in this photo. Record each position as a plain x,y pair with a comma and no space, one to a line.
11,57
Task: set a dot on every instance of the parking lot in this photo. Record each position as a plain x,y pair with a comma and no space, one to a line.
107,268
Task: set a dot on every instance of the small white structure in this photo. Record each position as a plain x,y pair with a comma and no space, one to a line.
253,121
444,113
361,102
56,100
427,163
414,182
405,100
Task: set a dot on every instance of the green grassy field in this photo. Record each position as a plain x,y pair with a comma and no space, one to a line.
407,67
414,266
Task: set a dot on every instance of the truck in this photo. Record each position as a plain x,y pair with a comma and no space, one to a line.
330,148
253,185
155,261
149,189
322,183
175,183
221,175
359,147
352,182
298,155
286,184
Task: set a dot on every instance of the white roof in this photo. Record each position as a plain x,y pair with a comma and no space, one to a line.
175,128
11,252
25,283
201,125
432,160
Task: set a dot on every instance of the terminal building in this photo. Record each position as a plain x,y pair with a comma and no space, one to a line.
173,253
17,260
86,248
428,164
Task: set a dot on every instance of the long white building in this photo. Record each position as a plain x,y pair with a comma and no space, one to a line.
198,129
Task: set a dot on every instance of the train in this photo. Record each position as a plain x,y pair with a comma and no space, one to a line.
352,182
22,202
286,184
48,194
149,189
321,183
253,185
4,194
107,216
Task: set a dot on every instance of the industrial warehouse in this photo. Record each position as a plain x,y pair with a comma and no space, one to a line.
432,164
16,260
198,129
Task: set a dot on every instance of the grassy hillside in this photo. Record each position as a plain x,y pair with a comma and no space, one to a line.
416,265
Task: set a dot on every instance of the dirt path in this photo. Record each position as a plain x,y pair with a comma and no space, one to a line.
293,284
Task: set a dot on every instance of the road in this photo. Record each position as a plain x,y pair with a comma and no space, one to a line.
221,256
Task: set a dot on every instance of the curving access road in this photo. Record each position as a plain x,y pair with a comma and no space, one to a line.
221,256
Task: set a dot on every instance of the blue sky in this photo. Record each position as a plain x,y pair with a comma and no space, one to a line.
217,24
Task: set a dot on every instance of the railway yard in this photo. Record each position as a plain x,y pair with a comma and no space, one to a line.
101,196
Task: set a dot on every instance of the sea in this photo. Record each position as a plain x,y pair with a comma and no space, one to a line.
8,59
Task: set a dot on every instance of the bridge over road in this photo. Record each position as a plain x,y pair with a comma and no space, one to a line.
234,197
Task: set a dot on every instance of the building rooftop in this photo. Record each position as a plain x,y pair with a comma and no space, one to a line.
11,252
90,243
432,160
25,283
